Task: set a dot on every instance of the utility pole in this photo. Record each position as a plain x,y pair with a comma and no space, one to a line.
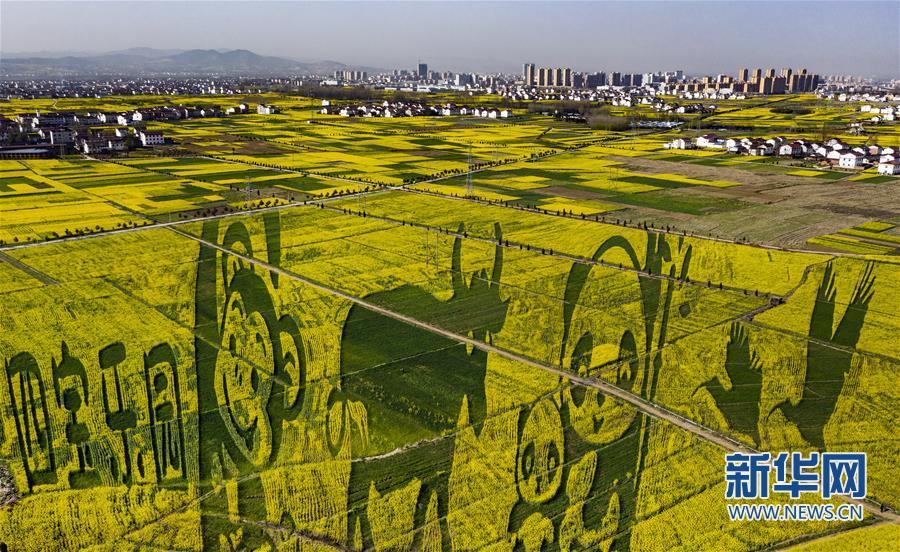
425,243
431,258
361,202
437,248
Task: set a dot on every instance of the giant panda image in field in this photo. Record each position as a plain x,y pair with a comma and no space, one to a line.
250,368
562,473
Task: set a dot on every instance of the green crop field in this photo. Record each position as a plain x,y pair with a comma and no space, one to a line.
306,332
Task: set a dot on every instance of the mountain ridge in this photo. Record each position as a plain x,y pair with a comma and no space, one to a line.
151,61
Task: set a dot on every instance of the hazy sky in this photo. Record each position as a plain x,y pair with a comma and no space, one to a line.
859,38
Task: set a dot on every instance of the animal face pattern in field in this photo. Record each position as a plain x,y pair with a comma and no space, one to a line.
250,370
240,388
251,382
596,417
562,472
605,440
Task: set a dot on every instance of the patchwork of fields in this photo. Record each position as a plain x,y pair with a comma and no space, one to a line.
228,346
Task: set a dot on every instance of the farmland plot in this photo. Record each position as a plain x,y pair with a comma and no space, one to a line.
406,370
196,397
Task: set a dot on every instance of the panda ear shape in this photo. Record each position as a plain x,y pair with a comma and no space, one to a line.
230,267
237,239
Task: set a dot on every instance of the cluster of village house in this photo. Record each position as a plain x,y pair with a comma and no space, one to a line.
411,109
658,104
418,109
841,96
880,114
712,94
613,96
832,152
607,94
30,89
69,129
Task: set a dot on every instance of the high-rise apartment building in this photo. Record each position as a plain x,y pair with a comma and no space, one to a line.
528,74
547,76
593,80
556,79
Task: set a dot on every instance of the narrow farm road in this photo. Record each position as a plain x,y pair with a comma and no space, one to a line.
799,543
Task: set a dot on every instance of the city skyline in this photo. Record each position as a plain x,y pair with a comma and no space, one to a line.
626,36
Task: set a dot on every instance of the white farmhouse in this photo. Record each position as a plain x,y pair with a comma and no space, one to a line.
789,149
680,143
61,136
850,160
116,144
889,168
709,141
89,145
152,138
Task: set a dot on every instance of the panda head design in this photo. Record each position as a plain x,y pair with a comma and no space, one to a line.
260,364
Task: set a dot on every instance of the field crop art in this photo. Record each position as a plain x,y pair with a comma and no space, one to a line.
301,362
254,304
